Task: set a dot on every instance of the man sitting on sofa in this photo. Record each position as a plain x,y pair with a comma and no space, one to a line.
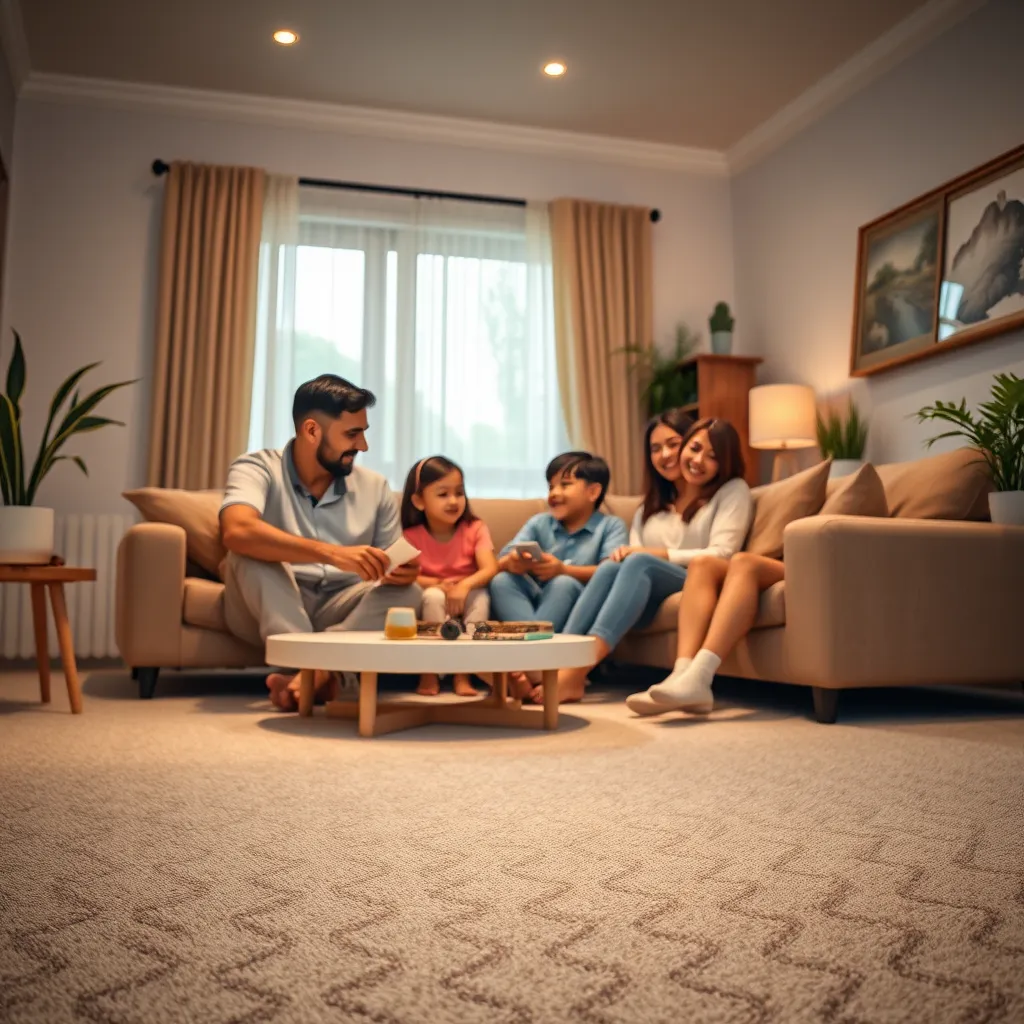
305,530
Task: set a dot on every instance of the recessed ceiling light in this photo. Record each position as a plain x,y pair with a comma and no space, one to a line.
555,69
286,37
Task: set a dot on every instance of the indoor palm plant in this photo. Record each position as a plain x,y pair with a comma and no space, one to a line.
843,441
27,530
997,431
665,383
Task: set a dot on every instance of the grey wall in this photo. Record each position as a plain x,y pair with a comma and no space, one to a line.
949,108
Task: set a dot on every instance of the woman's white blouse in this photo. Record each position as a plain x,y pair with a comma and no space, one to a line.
719,528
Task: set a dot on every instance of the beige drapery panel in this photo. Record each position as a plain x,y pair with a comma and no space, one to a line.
205,326
603,298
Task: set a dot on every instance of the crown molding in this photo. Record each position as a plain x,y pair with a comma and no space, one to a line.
911,34
15,43
386,124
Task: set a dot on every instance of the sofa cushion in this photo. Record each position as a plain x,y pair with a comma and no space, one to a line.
954,485
860,494
622,505
504,516
771,611
204,605
196,512
778,504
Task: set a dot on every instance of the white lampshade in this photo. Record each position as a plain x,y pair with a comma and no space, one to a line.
782,416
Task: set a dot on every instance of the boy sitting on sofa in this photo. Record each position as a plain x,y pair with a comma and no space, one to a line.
573,537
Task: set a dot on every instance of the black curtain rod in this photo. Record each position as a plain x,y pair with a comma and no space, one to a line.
162,167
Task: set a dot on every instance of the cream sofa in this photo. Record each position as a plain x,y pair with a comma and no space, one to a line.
923,595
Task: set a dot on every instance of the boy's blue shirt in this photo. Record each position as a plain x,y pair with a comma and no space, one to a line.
590,544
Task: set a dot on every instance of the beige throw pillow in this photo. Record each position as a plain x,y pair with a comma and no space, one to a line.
859,494
196,512
954,485
781,503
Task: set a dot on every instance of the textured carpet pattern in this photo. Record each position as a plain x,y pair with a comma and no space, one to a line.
196,859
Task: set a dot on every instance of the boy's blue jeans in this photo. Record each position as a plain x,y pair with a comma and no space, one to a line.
621,595
522,598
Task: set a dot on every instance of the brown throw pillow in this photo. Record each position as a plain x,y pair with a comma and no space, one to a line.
781,503
954,485
196,512
859,494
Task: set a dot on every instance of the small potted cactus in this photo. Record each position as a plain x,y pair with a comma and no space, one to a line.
721,323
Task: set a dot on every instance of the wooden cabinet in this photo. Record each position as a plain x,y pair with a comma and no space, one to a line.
722,384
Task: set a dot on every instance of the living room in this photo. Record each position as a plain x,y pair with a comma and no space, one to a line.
194,857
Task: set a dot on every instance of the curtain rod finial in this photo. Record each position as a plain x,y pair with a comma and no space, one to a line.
160,167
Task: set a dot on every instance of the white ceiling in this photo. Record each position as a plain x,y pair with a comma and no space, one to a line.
686,72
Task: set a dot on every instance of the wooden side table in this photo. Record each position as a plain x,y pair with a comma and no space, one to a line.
52,578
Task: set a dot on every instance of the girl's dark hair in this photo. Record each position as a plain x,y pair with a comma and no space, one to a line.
725,443
424,473
659,493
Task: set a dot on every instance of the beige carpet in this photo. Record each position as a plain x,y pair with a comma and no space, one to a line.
198,858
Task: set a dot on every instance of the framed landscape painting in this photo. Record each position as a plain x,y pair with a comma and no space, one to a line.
945,270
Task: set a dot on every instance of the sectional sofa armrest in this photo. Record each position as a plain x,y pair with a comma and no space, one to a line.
150,594
874,602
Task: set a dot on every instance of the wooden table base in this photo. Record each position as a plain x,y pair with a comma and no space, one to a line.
496,709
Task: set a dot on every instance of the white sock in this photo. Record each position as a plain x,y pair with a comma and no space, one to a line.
682,664
690,686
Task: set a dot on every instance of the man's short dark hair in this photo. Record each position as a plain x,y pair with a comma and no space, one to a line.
331,395
591,469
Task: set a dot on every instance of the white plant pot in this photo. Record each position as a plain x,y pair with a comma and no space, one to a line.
721,342
26,535
1007,507
844,467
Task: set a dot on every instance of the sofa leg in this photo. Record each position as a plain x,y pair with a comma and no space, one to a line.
826,704
135,674
147,682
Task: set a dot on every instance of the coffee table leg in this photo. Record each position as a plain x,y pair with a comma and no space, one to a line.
550,700
42,642
67,646
306,692
367,702
499,689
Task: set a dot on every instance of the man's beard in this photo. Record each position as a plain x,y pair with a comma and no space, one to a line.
336,467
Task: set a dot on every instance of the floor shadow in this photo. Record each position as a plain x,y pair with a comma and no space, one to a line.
320,727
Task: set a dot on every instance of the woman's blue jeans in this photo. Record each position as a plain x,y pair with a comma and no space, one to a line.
621,595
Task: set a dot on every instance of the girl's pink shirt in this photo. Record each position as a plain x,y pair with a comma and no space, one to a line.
454,559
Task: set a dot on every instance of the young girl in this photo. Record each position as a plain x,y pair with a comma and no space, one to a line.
457,558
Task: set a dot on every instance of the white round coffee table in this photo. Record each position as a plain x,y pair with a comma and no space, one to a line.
370,653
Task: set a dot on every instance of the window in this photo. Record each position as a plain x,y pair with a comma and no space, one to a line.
434,306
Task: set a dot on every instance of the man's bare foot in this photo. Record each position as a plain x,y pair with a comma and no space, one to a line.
572,684
326,685
281,695
463,687
430,685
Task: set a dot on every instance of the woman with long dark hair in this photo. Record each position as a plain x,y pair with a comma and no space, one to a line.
696,503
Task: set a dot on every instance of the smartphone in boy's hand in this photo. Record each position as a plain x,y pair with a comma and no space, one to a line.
529,551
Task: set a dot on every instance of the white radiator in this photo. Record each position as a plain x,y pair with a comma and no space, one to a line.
86,540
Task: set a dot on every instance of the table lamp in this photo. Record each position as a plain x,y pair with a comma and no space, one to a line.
782,418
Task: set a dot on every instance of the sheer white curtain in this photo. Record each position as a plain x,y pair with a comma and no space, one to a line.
442,308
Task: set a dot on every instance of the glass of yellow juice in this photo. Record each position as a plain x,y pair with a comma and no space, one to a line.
400,624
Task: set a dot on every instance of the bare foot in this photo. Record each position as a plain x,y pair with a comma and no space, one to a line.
572,683
430,685
463,687
281,695
522,684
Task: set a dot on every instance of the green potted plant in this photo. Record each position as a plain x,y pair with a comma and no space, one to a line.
721,324
666,384
27,529
997,431
842,441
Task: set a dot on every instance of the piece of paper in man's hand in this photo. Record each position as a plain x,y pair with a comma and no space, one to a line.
398,554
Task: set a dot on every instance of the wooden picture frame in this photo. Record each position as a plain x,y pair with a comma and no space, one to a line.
942,271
